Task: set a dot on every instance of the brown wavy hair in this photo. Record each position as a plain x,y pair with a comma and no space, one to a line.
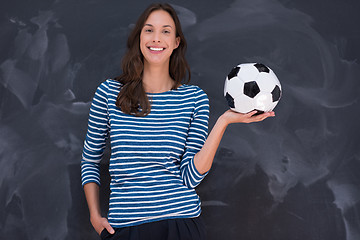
132,98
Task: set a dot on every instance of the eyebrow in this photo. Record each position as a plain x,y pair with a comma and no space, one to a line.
148,24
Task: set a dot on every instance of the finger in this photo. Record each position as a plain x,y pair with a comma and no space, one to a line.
109,228
261,117
266,115
252,113
271,114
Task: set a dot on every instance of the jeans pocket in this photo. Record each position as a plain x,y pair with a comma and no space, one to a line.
104,234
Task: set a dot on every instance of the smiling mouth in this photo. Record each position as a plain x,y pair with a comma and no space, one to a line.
156,49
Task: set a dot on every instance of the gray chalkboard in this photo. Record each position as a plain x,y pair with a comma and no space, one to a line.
295,176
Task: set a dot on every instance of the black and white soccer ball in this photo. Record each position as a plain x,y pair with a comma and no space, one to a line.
252,86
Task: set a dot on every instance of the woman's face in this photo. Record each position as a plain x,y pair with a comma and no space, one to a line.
158,38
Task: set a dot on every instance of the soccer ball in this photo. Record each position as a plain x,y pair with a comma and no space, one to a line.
252,86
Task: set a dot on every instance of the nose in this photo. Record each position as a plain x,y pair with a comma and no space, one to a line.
156,37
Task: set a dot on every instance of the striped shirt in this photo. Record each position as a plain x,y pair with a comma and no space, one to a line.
152,168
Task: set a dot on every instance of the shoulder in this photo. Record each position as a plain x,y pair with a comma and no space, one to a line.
109,86
195,90
200,98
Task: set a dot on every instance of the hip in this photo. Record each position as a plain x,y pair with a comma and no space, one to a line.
168,229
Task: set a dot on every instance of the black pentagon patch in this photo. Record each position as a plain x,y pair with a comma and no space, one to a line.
251,89
233,72
230,100
262,68
276,93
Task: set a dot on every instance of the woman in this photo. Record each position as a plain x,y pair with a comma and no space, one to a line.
158,130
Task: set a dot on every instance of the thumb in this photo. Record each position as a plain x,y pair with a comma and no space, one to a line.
109,228
252,113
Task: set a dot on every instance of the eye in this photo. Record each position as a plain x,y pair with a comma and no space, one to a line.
147,30
166,31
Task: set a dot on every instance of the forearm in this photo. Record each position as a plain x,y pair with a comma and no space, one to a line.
92,197
205,157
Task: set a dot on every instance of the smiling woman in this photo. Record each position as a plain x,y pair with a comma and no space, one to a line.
159,152
157,40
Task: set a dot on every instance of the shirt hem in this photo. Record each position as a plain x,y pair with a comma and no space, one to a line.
149,220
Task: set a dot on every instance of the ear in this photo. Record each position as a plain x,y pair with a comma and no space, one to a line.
177,42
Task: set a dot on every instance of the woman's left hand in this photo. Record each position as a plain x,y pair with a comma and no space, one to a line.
231,116
204,158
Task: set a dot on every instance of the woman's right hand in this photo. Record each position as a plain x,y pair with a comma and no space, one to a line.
100,223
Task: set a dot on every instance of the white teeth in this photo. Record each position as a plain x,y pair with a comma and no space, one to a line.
156,49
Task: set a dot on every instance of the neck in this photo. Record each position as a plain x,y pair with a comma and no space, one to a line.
156,79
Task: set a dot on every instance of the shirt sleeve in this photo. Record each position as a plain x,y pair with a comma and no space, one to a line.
195,140
97,133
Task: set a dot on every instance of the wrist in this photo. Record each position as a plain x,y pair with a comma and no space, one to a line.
223,121
95,215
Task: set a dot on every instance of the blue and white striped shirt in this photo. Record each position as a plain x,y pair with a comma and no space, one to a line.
152,168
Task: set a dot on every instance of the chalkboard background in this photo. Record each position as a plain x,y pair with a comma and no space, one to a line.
295,176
